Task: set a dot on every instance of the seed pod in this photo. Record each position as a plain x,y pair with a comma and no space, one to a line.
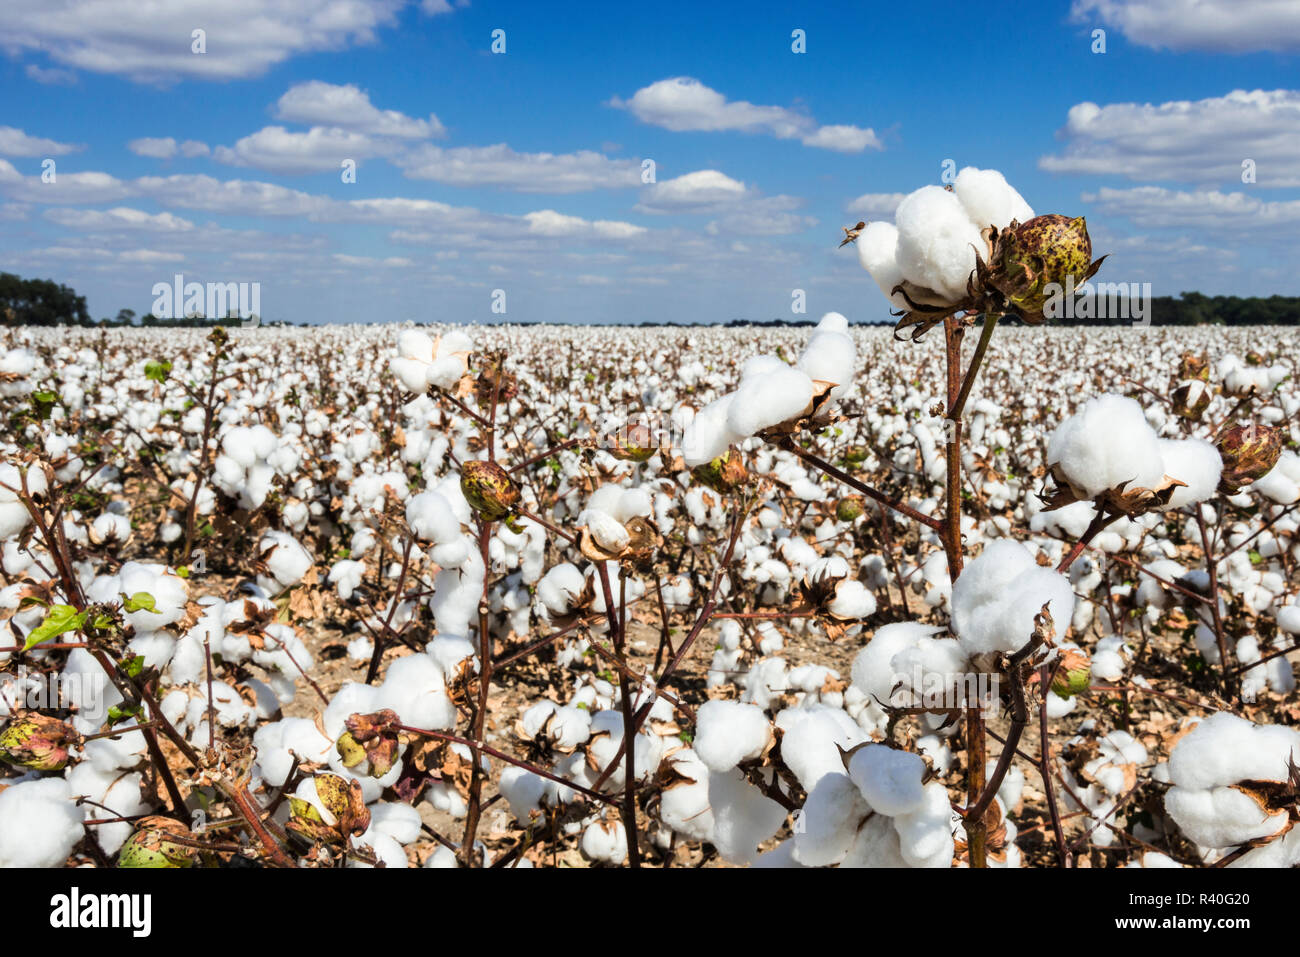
36,741
150,846
1191,399
488,489
633,443
724,474
1249,453
851,508
1073,675
1046,249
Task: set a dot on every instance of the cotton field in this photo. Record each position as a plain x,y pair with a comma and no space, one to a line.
399,596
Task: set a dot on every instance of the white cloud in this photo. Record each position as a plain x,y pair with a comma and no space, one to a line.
1196,141
500,166
739,208
547,222
193,148
67,188
317,103
1209,210
151,42
120,217
875,205
684,104
1232,26
14,142
53,76
149,256
701,191
163,147
278,150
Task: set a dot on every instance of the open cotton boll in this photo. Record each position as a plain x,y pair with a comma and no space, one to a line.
606,531
1282,483
852,600
889,780
830,355
288,561
728,732
1107,443
39,823
743,817
432,519
828,823
1195,462
118,793
936,241
415,688
878,254
872,672
398,820
995,600
684,802
278,743
1225,749
767,399
1221,816
346,576
989,200
709,435
876,845
812,739
925,833
604,841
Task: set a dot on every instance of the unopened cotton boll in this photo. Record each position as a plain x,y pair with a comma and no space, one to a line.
728,732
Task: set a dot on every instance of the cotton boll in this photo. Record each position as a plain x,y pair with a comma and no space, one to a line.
558,588
728,732
831,355
1106,444
827,825
397,820
852,600
607,532
118,793
872,672
936,241
878,254
684,802
1220,817
709,434
604,841
988,199
524,791
743,817
288,561
890,780
1224,749
39,823
925,834
876,845
415,688
431,517
768,399
995,600
1194,462
385,849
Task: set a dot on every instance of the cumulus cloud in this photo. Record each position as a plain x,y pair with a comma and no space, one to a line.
120,217
701,191
1194,141
50,76
547,222
278,150
1230,26
738,208
14,142
502,167
163,147
684,104
1211,210
347,107
875,205
151,42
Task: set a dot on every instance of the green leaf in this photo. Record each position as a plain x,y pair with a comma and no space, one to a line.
61,618
157,371
133,666
1256,558
140,601
183,571
117,714
43,402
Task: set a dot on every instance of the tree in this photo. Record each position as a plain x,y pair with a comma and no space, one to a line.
40,302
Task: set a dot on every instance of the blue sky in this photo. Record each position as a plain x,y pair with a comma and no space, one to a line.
522,171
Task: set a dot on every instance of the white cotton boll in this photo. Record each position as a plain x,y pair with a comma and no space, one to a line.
607,532
872,671
387,850
936,241
346,576
876,845
768,399
878,254
1282,483
852,600
288,560
925,834
1224,749
728,732
830,355
709,435
415,689
277,744
1195,462
524,792
827,825
989,200
431,518
110,527
120,795
890,780
812,739
1107,443
399,821
995,600
605,841
39,824
558,588
1221,816
743,817
684,802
